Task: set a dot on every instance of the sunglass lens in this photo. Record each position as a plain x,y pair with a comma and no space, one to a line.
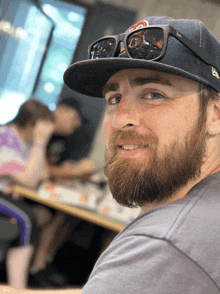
146,43
102,49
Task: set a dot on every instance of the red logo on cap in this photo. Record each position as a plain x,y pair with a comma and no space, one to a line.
139,25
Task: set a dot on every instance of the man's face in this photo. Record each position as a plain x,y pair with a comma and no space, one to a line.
155,136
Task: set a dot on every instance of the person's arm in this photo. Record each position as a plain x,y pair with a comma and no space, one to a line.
32,173
71,170
45,172
11,290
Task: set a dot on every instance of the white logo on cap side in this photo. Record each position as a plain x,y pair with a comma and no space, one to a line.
215,73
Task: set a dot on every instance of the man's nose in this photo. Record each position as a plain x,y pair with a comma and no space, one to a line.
127,114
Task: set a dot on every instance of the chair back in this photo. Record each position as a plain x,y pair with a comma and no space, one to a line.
9,231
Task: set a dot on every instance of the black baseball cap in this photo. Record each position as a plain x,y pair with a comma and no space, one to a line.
88,77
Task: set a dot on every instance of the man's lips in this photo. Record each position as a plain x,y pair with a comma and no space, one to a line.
131,144
126,151
131,147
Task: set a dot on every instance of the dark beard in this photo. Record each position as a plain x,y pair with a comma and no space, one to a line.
131,185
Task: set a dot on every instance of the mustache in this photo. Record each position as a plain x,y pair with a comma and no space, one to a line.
149,140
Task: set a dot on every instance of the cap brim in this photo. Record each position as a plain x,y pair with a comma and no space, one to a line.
90,76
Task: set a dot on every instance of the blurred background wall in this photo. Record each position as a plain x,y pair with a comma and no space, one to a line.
40,38
207,11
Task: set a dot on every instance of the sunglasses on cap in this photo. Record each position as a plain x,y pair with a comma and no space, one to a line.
146,43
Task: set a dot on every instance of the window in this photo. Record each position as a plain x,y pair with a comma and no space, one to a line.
24,33
69,20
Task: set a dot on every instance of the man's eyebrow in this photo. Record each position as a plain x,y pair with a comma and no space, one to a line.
139,81
110,87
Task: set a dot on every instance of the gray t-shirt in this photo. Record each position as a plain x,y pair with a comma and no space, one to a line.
170,249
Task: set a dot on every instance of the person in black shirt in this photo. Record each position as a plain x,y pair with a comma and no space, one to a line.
68,118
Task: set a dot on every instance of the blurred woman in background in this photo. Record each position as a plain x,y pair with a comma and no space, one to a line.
25,166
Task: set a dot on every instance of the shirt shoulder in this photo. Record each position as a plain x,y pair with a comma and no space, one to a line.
133,264
166,248
196,231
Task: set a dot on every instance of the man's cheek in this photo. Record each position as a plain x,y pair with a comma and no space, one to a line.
106,132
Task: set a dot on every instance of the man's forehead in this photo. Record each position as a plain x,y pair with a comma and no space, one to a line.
139,77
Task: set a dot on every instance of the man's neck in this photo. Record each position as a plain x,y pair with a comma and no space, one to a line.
182,192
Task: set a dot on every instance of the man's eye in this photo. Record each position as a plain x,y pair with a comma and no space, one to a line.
153,96
114,100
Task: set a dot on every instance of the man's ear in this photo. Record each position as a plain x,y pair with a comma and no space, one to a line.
213,117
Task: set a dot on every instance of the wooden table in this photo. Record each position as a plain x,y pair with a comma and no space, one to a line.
88,215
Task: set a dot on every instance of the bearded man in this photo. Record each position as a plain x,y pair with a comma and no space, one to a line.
161,128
